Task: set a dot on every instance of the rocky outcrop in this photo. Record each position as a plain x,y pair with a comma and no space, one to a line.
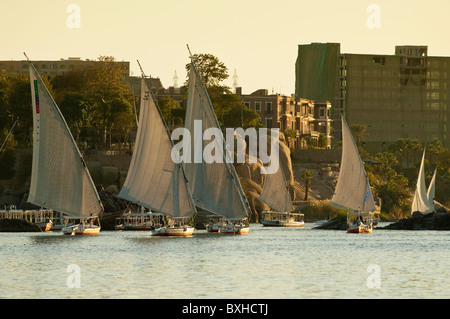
252,179
334,224
17,225
433,221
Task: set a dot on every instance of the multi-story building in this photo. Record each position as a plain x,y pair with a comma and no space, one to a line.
404,95
307,118
55,67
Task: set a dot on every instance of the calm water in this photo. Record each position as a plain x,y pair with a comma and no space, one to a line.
267,263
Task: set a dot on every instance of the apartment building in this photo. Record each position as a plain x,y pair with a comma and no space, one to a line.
404,95
55,67
309,119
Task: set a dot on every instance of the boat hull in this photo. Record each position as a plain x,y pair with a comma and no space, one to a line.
135,227
45,226
214,228
237,230
81,230
173,231
359,230
281,223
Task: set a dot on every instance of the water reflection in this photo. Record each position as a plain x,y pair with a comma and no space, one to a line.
266,263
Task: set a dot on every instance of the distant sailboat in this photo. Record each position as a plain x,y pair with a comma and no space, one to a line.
154,180
423,200
60,179
275,193
353,191
215,187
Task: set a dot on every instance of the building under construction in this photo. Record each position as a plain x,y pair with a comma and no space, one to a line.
395,96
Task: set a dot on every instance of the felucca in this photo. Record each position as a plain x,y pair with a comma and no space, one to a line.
154,180
352,192
275,194
214,185
60,179
423,200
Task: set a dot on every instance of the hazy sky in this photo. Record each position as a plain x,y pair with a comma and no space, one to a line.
258,38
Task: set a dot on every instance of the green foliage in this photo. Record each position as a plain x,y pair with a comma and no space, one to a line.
239,115
171,111
359,132
211,70
307,176
321,209
103,87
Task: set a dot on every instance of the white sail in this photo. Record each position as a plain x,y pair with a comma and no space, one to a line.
275,192
420,199
423,200
352,188
60,179
431,191
154,180
214,186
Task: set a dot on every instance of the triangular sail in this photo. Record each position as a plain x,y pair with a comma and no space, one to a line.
431,191
420,199
60,179
154,180
275,192
214,186
423,200
352,188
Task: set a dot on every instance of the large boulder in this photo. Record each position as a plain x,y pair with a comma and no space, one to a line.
17,225
418,221
252,176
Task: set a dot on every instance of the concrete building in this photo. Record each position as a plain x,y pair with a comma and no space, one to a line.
404,95
55,67
308,118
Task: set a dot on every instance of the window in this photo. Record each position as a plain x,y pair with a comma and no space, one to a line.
268,122
258,106
322,113
268,107
247,104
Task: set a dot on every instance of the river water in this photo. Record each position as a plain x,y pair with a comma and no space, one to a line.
275,263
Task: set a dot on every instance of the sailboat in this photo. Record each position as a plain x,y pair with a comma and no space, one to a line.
423,200
154,181
275,194
60,179
215,186
353,191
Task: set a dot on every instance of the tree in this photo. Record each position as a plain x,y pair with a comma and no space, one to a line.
171,111
19,105
122,118
240,115
290,136
359,132
211,70
103,84
307,175
76,111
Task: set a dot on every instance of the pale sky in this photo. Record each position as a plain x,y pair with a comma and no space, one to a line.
257,38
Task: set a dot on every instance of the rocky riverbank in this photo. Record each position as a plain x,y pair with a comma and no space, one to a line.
418,221
433,221
17,225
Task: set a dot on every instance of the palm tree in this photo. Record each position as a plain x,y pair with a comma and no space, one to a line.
359,131
307,175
